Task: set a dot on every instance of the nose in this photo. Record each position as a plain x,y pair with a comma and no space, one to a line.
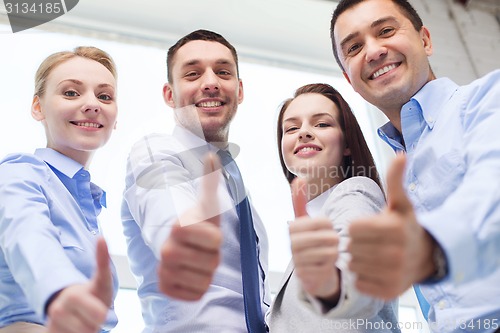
210,81
305,134
92,104
374,50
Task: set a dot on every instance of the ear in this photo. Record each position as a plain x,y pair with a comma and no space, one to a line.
36,109
347,151
168,95
426,40
347,77
240,92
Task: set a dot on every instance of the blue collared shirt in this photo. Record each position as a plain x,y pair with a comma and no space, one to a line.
48,232
452,140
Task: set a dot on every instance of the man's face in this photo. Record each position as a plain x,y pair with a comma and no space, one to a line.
384,58
205,90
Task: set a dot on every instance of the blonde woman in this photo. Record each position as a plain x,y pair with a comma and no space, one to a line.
55,273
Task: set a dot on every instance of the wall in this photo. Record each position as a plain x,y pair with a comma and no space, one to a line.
466,40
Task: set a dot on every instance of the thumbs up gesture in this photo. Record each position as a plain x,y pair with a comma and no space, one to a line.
314,248
191,254
391,251
83,308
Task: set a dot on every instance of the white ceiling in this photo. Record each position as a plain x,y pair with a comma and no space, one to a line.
289,33
293,33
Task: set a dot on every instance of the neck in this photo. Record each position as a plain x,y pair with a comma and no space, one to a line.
394,118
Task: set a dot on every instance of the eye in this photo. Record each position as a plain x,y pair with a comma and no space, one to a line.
191,74
291,129
224,72
105,97
323,125
70,93
353,49
387,31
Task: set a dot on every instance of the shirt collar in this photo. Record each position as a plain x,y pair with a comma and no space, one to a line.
430,99
199,146
63,163
69,168
188,138
315,206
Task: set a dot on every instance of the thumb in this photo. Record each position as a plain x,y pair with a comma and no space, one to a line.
299,199
102,282
208,199
397,200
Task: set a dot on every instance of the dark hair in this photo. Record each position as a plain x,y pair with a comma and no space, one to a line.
360,161
201,34
406,9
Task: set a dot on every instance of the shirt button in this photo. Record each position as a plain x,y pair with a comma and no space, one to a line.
442,305
412,187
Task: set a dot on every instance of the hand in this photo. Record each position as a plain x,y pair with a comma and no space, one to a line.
83,308
314,249
390,251
191,254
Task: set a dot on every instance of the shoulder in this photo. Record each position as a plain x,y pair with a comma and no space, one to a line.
357,191
487,85
492,77
156,142
19,159
480,97
22,166
359,184
153,148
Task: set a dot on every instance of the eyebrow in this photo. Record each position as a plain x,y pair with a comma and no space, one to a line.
80,83
374,24
316,115
195,62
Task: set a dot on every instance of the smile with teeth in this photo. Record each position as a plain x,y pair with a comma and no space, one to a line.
86,124
383,71
209,104
306,149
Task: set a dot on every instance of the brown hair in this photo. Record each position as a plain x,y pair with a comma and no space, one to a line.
205,35
52,61
360,161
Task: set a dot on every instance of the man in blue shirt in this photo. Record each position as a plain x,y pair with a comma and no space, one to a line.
443,231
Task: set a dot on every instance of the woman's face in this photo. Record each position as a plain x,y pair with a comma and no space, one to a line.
78,108
313,144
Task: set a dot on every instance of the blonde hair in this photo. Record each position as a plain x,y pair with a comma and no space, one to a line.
52,61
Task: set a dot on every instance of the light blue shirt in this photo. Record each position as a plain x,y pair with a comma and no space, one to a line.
162,182
48,232
452,141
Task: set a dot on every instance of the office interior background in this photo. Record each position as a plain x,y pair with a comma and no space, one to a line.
282,44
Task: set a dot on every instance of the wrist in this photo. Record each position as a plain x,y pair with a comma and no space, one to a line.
332,299
439,262
50,300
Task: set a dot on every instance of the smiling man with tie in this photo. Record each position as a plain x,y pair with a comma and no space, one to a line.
192,234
